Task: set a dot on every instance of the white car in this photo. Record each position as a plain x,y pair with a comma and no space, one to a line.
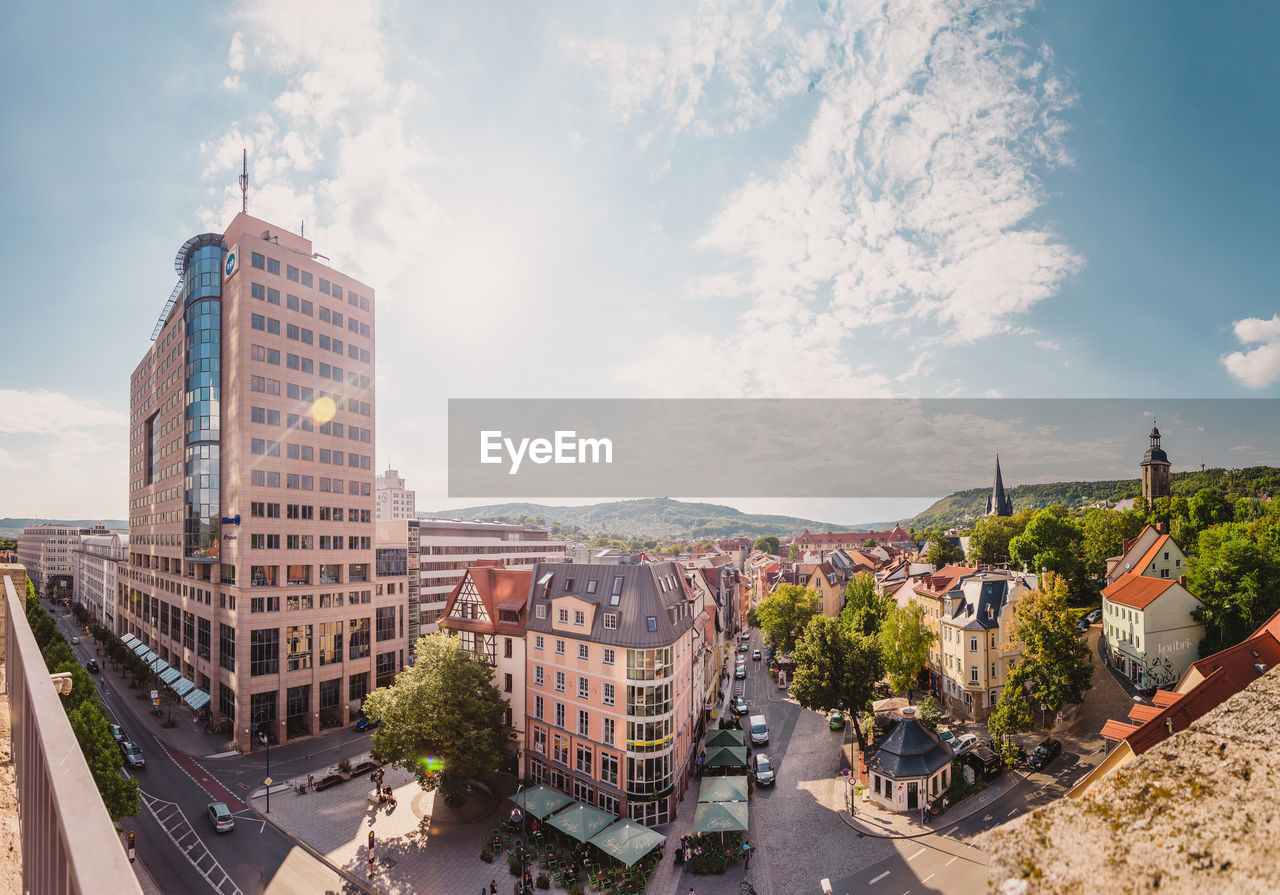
946,736
964,743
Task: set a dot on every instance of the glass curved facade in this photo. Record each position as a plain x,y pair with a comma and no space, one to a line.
650,724
201,260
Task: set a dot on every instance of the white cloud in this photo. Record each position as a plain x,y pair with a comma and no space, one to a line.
42,412
1256,367
904,209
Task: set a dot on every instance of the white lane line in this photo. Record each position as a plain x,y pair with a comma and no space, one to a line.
194,857
878,878
1012,813
952,861
917,854
927,878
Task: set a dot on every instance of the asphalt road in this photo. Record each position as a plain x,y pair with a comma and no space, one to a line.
174,840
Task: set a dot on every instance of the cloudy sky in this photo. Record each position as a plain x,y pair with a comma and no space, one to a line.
714,199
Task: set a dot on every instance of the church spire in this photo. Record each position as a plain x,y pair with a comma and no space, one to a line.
997,503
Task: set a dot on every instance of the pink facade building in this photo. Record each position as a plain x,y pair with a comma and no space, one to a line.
615,684
251,489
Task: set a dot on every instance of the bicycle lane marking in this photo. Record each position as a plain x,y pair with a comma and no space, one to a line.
203,779
178,829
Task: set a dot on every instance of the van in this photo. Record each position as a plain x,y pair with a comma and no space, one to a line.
759,730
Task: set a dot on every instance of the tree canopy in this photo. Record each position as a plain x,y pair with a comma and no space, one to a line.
1104,533
904,643
836,668
989,540
1050,541
865,607
942,550
1235,572
768,543
786,612
1055,659
442,719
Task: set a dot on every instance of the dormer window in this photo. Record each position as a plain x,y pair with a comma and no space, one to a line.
991,613
591,586
568,585
651,622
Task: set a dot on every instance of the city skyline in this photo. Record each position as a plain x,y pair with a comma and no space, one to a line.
940,200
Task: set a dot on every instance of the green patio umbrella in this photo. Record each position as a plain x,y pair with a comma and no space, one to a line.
720,817
726,757
627,841
540,800
723,789
726,737
581,821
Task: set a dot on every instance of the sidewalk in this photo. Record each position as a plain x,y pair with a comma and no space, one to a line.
875,820
413,852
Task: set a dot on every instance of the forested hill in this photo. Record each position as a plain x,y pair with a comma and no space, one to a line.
967,505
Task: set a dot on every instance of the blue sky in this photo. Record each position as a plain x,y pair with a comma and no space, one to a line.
714,199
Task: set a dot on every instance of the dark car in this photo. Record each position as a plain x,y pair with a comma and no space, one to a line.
1083,626
764,769
92,666
132,755
983,761
1044,753
367,723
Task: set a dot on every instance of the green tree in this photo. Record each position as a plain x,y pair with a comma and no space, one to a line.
1208,507
1012,714
836,669
929,713
442,719
793,552
989,540
1051,541
768,543
942,551
90,725
1055,659
865,607
904,643
1235,573
784,614
1104,534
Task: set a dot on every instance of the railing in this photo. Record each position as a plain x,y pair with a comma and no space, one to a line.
68,843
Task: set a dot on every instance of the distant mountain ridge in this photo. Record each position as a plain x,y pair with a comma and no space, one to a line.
659,517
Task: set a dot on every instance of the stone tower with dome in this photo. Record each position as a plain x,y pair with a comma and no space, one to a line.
1155,469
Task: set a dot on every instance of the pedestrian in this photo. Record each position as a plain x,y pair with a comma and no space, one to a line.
688,856
311,782
746,855
493,887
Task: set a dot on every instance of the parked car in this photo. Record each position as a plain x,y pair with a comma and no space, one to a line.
740,672
1095,616
764,769
944,734
755,655
364,722
836,721
132,754
1083,626
1044,753
740,706
964,743
983,761
92,666
743,646
117,733
220,817
75,641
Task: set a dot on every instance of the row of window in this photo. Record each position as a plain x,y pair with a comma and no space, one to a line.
268,479
608,726
269,541
271,448
607,695
584,650
259,509
269,576
304,307
259,261
328,645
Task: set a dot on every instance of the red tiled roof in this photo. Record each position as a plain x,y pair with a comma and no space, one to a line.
1118,730
1144,713
498,588
1165,697
1150,555
1137,591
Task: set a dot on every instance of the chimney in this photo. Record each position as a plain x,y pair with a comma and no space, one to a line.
1162,528
1182,580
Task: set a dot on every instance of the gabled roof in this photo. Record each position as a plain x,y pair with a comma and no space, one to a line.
499,589
1138,591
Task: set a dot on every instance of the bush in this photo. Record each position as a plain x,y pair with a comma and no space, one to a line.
544,881
513,864
344,767
486,855
577,889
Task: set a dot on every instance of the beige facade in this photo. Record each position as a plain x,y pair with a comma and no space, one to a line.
1149,630
46,553
977,625
251,486
97,563
394,500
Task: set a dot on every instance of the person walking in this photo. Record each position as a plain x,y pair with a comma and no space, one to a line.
493,887
746,855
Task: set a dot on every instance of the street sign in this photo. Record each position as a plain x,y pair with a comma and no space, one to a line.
131,846
844,772
268,781
155,694
853,781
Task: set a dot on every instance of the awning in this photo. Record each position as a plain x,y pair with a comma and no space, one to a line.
197,699
720,817
582,821
540,800
726,757
723,789
129,640
727,737
158,666
627,841
170,675
181,686
139,648
147,656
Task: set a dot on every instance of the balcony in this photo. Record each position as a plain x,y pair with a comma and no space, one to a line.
67,843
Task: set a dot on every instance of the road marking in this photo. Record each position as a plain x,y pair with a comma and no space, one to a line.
230,754
952,861
986,817
927,878
878,878
215,876
1012,813
917,854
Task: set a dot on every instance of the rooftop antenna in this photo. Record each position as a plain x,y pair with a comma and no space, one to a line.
244,184
303,231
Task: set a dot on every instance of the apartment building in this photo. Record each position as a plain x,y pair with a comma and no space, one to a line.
251,488
394,535
615,684
977,623
96,564
46,553
448,547
487,611
394,500
1151,636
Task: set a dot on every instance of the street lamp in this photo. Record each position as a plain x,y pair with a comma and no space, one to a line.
266,741
524,841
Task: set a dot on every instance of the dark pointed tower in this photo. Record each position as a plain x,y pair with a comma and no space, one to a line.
997,503
1155,469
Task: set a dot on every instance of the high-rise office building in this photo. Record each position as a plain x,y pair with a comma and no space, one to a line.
46,550
394,500
251,488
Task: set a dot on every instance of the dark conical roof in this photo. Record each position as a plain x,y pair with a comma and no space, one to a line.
997,503
1155,456
909,751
